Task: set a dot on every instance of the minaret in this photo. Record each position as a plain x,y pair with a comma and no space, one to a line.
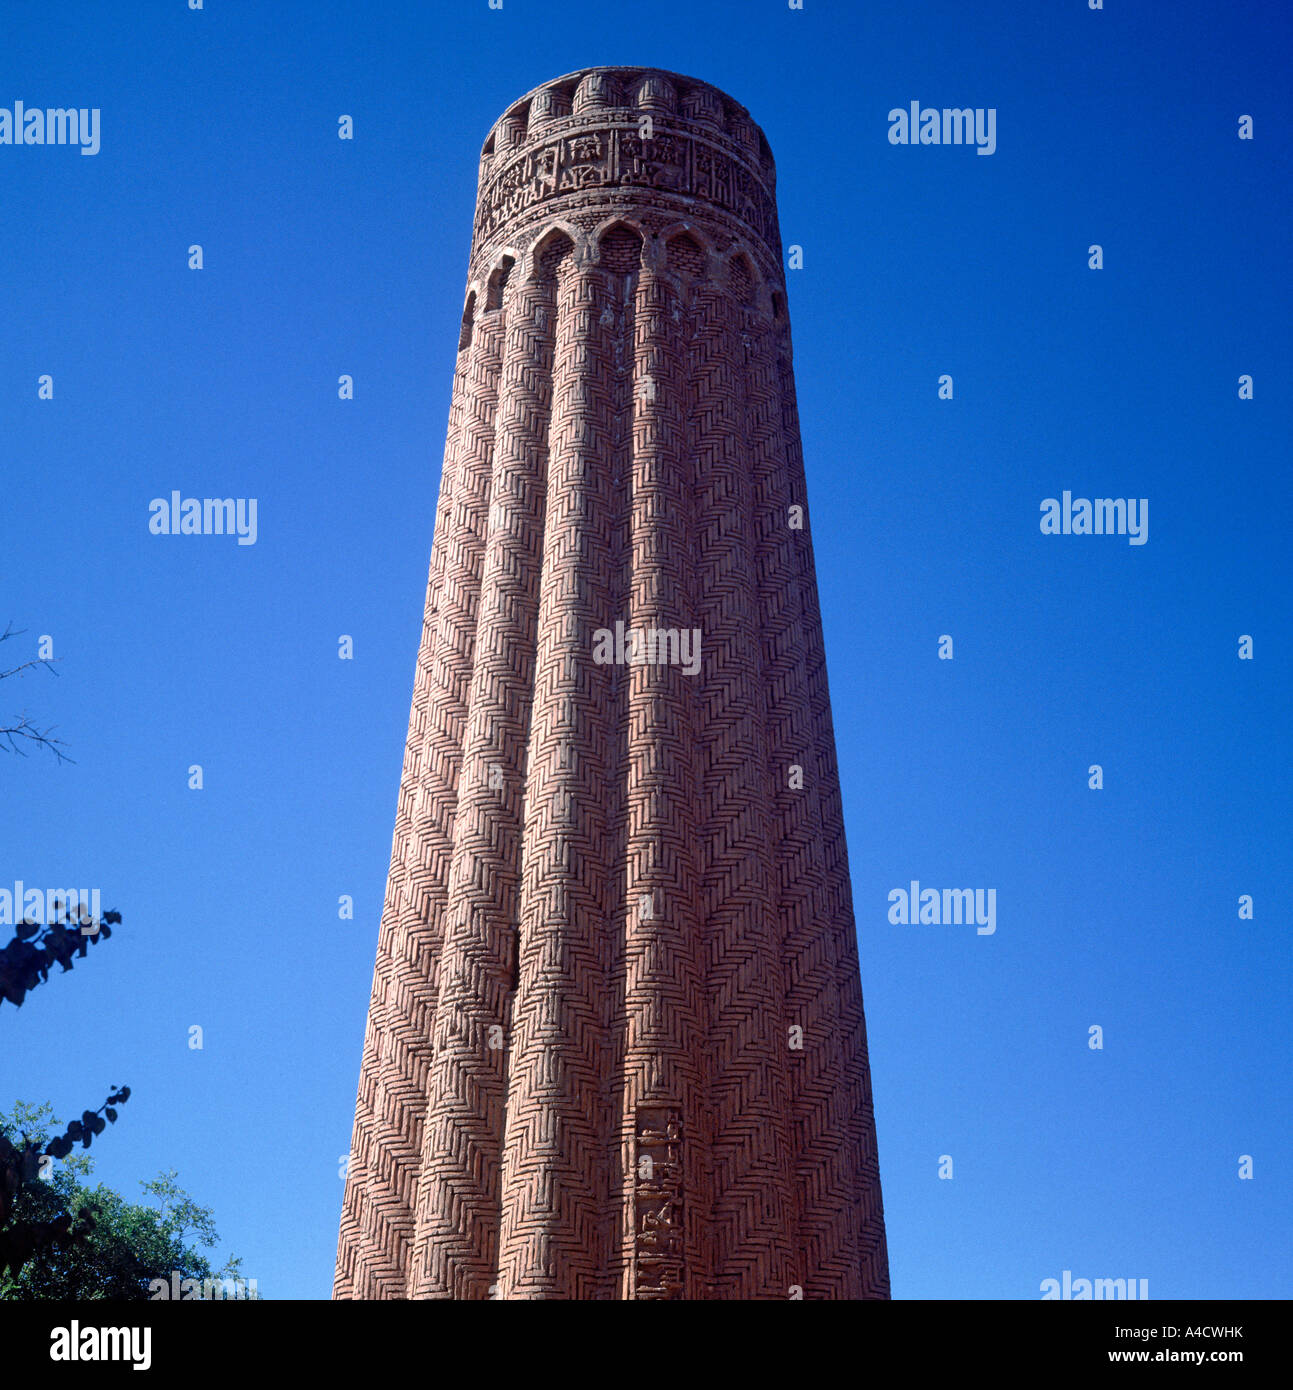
616,1047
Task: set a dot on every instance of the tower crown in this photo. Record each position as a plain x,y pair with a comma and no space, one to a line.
622,140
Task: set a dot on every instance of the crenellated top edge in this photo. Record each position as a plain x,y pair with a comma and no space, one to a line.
642,90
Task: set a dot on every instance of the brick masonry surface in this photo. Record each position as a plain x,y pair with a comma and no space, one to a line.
616,1045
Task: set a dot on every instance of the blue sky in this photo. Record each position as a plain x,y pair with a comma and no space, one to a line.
1116,907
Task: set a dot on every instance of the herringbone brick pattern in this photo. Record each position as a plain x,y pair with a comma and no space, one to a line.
616,1045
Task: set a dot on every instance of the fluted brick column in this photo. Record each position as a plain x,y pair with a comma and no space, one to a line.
559,1222
456,1240
616,1043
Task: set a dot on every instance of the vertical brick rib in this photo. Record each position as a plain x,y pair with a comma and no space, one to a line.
841,1214
558,1220
794,880
619,316
377,1220
456,1237
663,981
746,1044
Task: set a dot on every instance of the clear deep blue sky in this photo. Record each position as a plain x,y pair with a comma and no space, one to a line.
1116,908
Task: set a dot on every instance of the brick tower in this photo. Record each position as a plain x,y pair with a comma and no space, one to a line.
616,1047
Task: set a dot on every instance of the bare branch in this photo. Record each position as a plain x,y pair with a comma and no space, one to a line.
25,729
12,735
